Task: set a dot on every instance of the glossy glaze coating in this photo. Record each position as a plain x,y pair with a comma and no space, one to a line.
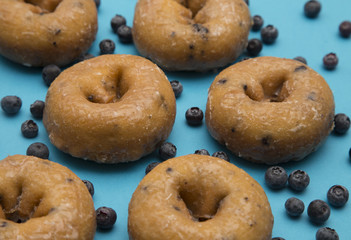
109,109
39,33
270,110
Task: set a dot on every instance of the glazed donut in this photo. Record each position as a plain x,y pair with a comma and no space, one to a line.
199,197
270,110
40,199
191,35
110,109
42,32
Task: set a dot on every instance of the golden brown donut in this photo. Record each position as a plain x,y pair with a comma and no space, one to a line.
110,109
40,199
270,110
199,197
191,35
43,32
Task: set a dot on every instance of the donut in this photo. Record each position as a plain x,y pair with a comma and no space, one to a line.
199,197
40,199
270,110
42,32
110,109
197,35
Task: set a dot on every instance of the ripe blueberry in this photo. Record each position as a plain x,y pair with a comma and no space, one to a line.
276,177
39,150
167,150
105,217
318,211
338,195
298,180
11,104
294,207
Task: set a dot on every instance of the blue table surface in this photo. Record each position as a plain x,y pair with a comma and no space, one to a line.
115,184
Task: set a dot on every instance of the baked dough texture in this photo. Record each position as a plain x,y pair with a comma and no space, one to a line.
196,35
110,109
199,197
270,110
40,199
42,32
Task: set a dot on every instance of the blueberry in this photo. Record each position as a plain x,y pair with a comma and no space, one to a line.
298,180
117,21
39,150
326,233
89,186
294,207
11,104
37,108
97,3
345,29
330,61
202,152
105,217
124,33
269,34
167,150
194,116
342,123
177,88
222,155
29,129
257,23
337,195
312,8
150,167
301,59
50,73
318,211
107,46
254,47
276,177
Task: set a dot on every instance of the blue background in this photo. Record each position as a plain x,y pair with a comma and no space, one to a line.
298,36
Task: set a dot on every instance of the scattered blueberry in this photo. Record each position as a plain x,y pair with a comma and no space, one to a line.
269,34
222,155
298,180
29,129
194,116
330,61
312,8
37,108
202,152
167,150
326,233
337,195
276,177
345,29
39,150
254,47
11,104
107,46
177,88
105,217
257,23
50,73
90,187
97,3
342,123
150,167
318,211
124,33
117,21
294,207
301,59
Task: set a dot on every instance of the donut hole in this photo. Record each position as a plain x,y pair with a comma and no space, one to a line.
46,6
193,5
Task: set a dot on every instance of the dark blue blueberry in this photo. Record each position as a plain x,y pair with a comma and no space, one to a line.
276,177
337,195
345,29
222,155
202,152
312,8
294,207
298,180
326,233
257,23
89,186
177,88
50,73
150,167
167,150
318,211
330,61
254,47
37,109
107,46
105,217
29,129
269,34
39,150
11,104
117,21
124,33
194,116
301,59
342,123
